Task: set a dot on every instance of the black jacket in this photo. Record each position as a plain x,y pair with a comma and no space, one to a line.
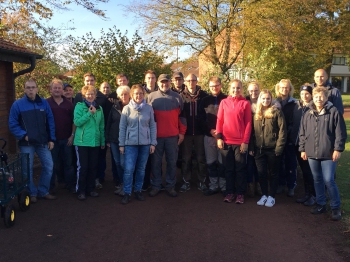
112,126
208,110
269,133
288,110
322,133
299,111
191,108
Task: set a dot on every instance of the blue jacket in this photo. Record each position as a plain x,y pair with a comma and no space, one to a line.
33,119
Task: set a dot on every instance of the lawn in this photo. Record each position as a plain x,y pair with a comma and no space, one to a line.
346,100
343,178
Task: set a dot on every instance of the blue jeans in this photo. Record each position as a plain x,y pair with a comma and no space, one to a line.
61,153
119,162
135,159
45,157
323,174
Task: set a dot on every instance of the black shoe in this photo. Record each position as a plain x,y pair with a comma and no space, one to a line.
171,192
153,192
81,197
125,199
210,192
310,202
319,209
303,199
139,196
336,214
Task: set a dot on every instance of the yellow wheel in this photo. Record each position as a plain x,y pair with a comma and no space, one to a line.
24,200
9,216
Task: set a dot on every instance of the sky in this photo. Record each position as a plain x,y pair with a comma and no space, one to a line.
84,21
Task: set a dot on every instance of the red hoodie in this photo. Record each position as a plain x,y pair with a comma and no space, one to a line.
234,120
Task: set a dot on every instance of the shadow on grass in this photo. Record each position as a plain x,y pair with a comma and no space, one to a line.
343,179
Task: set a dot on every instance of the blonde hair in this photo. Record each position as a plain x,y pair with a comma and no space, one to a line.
260,113
320,90
284,81
120,89
87,88
56,81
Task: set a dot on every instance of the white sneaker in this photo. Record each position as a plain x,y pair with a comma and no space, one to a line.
270,202
262,201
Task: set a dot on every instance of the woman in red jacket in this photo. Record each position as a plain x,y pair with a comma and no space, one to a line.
233,129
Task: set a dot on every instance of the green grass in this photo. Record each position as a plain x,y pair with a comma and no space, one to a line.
343,178
346,100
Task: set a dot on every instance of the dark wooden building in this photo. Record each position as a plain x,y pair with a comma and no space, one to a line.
10,53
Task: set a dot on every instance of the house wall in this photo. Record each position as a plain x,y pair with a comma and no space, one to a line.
6,101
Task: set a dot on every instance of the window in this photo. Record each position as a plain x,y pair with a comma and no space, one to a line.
339,61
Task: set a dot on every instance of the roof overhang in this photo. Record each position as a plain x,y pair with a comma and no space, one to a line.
16,56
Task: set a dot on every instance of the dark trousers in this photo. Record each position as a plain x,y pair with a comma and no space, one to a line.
195,143
266,160
235,164
87,168
307,174
102,164
288,167
253,175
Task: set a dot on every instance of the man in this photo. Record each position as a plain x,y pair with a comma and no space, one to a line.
105,89
288,173
208,111
253,188
171,127
150,84
31,122
334,96
178,82
120,80
68,92
101,100
194,137
62,110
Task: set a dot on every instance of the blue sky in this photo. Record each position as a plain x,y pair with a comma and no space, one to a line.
85,21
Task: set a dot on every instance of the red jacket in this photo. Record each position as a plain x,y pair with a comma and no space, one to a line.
234,120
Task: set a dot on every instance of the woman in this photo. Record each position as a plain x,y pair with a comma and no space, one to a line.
112,135
89,137
321,140
301,108
267,143
137,139
288,173
233,129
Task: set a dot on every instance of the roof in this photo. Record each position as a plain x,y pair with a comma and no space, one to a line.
11,52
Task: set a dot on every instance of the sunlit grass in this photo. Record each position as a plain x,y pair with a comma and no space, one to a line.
346,100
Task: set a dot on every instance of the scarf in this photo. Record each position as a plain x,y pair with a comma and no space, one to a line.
93,103
136,106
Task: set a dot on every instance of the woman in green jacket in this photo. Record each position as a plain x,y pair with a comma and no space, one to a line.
267,143
89,137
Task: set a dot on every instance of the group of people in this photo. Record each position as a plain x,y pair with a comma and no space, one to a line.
242,144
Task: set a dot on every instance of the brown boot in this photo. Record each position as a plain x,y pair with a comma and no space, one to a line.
250,190
258,189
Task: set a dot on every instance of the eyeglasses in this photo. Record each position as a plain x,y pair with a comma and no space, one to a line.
30,87
214,86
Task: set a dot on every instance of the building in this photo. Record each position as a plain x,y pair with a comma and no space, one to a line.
9,54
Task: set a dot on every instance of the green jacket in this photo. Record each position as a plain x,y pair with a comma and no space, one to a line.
269,133
90,127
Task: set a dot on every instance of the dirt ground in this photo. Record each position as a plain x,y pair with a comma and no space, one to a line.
191,227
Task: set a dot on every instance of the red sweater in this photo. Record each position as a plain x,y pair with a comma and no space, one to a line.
234,120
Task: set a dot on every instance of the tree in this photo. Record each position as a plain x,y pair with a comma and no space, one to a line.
111,54
212,28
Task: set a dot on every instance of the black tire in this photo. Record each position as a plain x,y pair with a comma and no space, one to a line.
9,216
24,200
